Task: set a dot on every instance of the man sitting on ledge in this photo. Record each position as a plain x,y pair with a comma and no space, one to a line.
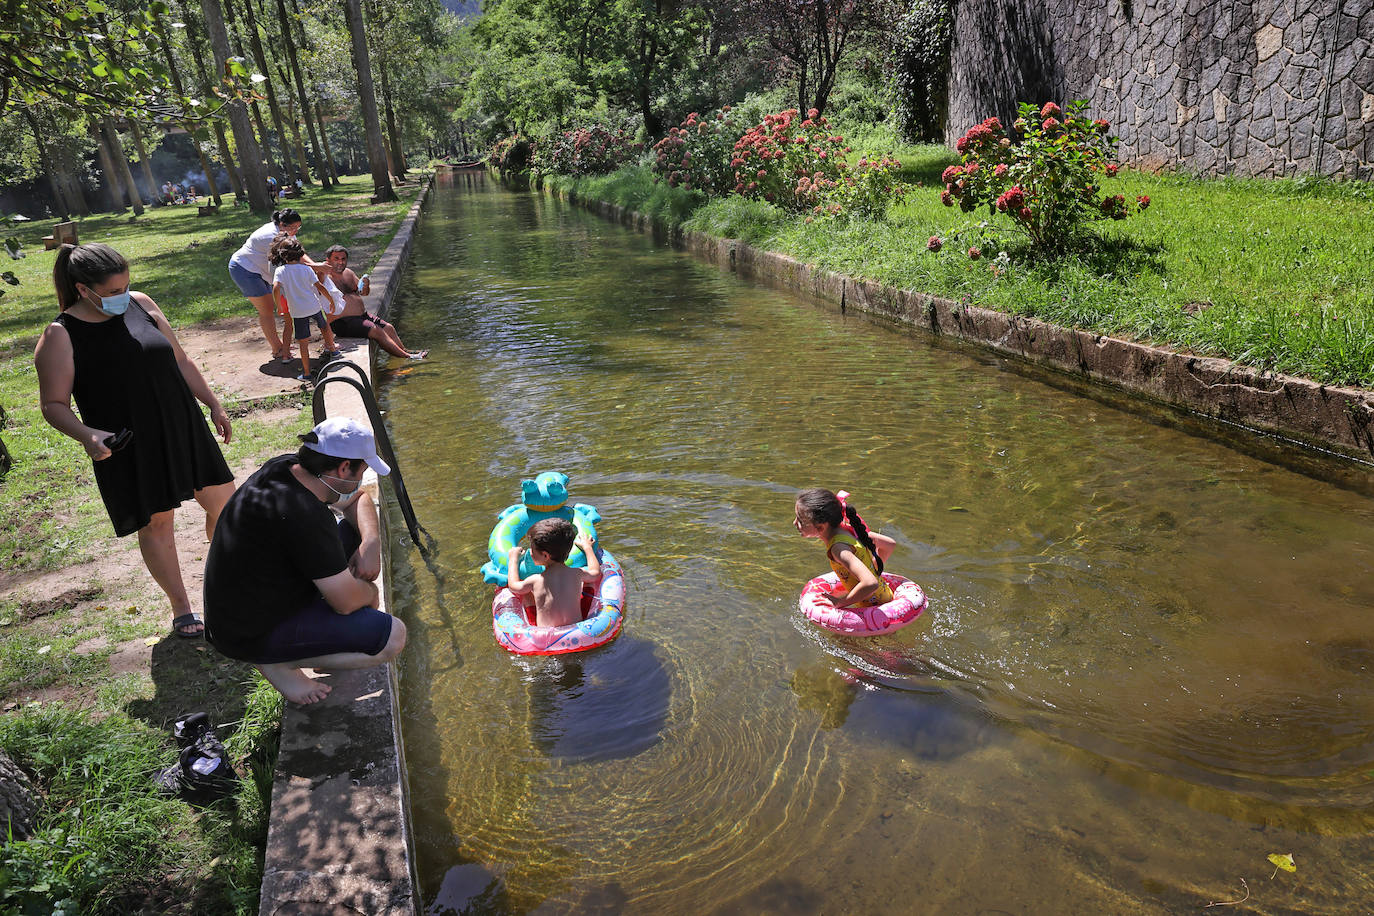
355,320
286,585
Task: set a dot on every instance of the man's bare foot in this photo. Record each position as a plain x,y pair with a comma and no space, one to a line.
419,354
294,684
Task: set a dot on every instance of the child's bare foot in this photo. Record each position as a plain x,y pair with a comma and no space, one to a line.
295,684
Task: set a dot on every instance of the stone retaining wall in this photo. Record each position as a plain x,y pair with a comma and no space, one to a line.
1335,420
1251,87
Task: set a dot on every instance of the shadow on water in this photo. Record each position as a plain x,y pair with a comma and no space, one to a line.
606,705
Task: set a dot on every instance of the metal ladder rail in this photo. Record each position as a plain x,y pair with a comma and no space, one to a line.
328,374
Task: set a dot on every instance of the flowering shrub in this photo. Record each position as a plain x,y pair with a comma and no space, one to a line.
511,154
594,150
1045,181
697,154
789,161
865,190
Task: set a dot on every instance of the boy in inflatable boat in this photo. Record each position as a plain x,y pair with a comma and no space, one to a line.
558,589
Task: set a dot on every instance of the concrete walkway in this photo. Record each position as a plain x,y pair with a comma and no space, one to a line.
339,837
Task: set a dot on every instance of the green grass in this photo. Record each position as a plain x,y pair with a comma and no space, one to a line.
106,841
1275,274
50,511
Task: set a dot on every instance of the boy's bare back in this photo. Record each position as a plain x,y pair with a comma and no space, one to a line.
557,596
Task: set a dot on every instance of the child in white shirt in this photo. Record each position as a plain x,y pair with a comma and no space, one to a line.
304,297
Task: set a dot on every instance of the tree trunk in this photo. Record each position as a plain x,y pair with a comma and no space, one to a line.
121,164
114,194
398,156
143,162
295,123
254,175
321,168
255,42
324,141
254,109
192,39
49,165
205,165
18,798
362,63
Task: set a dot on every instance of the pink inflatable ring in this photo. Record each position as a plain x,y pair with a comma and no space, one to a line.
908,601
603,610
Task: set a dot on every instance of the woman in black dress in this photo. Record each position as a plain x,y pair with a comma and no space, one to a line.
113,350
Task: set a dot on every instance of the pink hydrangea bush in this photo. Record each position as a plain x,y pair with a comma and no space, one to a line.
864,191
1043,174
789,160
696,155
594,150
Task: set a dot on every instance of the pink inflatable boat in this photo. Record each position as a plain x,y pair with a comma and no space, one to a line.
908,601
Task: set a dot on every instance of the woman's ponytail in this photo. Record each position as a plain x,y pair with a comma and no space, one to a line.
88,264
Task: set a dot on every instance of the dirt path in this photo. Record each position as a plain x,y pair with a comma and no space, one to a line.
230,354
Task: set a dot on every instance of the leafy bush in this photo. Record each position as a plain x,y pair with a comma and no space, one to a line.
789,162
864,191
921,68
511,154
696,155
1046,181
594,150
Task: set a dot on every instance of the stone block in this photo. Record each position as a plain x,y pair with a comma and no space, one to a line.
1262,130
1268,41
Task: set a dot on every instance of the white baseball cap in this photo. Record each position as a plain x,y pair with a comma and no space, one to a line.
345,437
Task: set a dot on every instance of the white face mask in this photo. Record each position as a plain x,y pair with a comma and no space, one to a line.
343,498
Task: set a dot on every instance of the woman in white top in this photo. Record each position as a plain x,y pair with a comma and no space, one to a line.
252,274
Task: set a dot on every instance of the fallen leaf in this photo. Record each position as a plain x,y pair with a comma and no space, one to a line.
6,621
45,650
152,640
1284,861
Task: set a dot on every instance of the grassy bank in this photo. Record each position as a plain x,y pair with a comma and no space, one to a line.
89,677
1276,274
49,508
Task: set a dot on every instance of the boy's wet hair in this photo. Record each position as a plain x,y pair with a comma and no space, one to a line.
286,249
554,536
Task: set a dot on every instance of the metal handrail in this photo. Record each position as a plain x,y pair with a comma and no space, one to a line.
379,433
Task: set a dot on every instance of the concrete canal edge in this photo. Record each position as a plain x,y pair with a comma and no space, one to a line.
1331,419
339,836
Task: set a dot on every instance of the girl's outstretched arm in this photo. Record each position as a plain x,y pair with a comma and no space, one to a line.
884,544
868,582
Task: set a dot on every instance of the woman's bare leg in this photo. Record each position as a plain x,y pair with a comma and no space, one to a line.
212,500
267,320
157,543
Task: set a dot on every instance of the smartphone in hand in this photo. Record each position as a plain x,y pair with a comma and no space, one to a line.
119,440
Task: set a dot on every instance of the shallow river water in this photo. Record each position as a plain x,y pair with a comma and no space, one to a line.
1147,664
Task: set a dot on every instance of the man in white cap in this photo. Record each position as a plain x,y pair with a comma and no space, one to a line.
287,586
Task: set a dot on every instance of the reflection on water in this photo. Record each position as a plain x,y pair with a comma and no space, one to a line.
1145,667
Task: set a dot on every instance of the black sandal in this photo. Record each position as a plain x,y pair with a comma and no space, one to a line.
188,620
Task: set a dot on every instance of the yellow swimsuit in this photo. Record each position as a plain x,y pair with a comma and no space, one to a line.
884,593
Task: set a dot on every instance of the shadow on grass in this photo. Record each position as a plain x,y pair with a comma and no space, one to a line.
1114,258
190,676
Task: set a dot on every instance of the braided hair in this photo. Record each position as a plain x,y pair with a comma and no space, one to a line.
820,505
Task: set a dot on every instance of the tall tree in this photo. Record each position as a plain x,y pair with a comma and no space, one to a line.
250,156
289,42
197,134
120,164
203,75
811,37
255,42
362,63
48,164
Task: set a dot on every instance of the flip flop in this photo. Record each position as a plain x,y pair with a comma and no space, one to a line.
188,620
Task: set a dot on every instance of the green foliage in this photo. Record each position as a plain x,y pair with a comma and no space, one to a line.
594,150
865,191
1045,181
697,154
107,841
921,68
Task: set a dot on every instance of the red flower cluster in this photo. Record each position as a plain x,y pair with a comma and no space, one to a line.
1143,201
694,155
1013,200
788,161
594,150
934,244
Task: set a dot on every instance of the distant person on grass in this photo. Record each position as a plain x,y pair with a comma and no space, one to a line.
287,586
355,320
114,352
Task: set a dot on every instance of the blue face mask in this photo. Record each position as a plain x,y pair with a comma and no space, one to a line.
115,305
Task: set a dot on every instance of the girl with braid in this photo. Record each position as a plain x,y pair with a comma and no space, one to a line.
855,553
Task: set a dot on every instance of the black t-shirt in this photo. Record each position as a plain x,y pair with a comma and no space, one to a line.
272,540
